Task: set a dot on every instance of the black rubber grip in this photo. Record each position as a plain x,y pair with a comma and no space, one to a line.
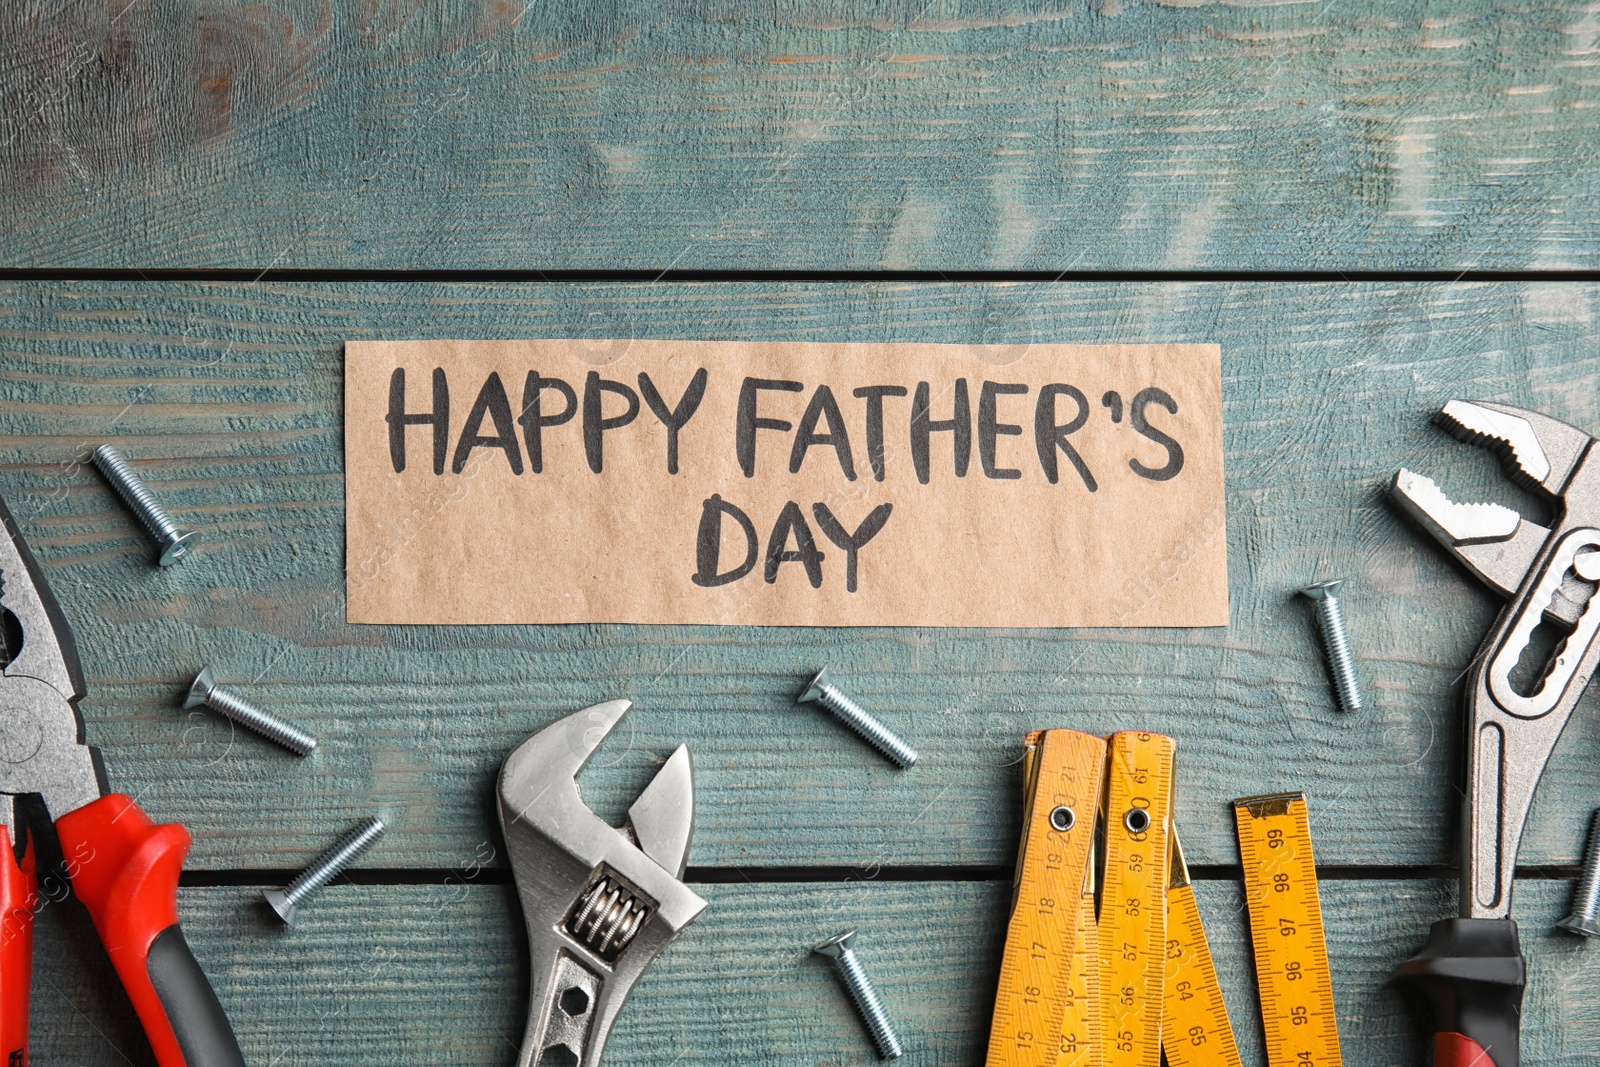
1473,973
201,1026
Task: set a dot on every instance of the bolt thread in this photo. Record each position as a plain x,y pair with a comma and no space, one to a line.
264,723
331,862
135,495
1330,619
867,1003
871,730
1586,899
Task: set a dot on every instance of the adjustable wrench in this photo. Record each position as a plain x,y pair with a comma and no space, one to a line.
600,903
1472,967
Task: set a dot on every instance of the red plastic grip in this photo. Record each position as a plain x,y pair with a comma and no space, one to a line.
125,870
19,895
1458,1050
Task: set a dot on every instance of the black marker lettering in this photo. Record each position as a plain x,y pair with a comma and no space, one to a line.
676,418
708,544
749,422
533,419
398,419
492,402
1142,425
595,424
989,430
852,543
959,426
805,553
1049,435
873,395
823,406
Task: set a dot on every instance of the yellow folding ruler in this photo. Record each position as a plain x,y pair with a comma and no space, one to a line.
1062,775
1195,1031
1110,974
1280,884
1133,898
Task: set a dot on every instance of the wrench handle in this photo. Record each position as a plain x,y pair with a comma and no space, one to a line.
125,870
19,895
1473,973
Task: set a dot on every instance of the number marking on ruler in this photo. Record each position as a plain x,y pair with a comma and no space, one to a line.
1195,1031
1280,884
1080,1018
1133,913
1063,775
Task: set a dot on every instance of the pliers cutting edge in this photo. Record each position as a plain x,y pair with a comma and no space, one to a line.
1472,967
123,867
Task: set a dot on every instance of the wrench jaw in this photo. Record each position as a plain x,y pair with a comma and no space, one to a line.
599,907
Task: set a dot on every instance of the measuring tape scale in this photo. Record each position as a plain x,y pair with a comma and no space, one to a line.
1195,1030
1291,952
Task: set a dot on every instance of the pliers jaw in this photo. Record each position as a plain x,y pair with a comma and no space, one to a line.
600,903
42,747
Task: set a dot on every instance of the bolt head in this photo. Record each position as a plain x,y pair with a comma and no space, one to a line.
199,689
814,690
1577,924
179,547
836,945
1322,590
280,904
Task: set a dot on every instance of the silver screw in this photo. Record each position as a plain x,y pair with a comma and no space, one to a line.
206,691
324,870
824,692
175,543
848,966
1330,620
1585,901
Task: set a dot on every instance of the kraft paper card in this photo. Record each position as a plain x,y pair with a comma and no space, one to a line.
784,484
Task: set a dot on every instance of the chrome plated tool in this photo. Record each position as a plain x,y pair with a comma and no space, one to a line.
1472,967
600,903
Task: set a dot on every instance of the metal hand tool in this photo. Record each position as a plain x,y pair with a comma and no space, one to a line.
1472,967
123,867
600,903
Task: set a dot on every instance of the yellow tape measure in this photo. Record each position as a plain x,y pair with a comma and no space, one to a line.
1280,882
1062,773
1080,1015
1133,890
1195,1031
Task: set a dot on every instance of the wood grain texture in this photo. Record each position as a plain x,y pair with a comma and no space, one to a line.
228,398
436,975
817,134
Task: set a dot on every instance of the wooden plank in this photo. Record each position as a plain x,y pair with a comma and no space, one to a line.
983,134
229,397
425,974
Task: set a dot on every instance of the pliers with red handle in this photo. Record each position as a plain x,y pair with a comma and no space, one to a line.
123,867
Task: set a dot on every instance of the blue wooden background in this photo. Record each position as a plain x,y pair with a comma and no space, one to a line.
1372,206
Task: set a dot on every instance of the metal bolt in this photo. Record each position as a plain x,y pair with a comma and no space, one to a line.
824,692
1330,620
327,867
175,543
848,966
1585,901
206,691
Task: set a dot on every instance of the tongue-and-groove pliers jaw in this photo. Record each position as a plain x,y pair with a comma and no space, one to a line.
122,866
1472,967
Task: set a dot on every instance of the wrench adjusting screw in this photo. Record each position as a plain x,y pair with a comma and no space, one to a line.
848,967
175,543
823,691
1586,899
324,870
1330,620
206,691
